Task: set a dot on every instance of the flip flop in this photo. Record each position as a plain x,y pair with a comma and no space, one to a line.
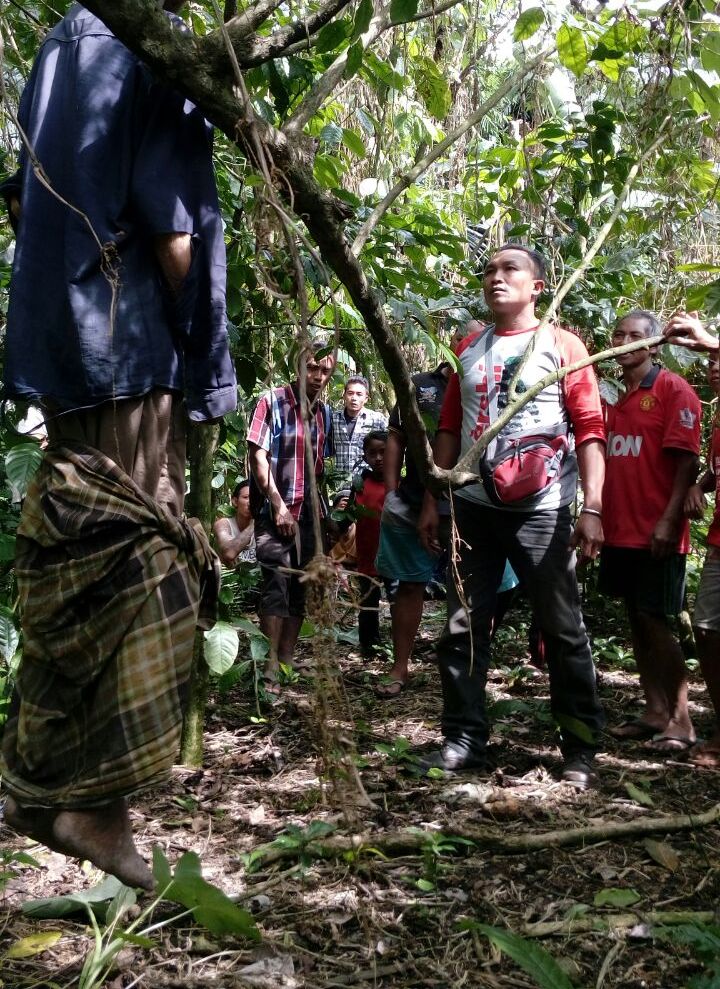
634,729
393,688
303,667
668,744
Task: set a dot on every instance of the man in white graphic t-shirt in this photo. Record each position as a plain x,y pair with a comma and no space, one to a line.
521,513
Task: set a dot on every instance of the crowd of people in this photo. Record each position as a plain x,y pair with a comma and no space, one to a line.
128,339
569,476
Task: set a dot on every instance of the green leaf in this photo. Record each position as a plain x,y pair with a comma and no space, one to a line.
572,49
528,23
710,52
209,905
7,547
353,141
221,647
33,944
616,897
432,87
536,961
21,464
332,36
354,59
331,134
425,885
363,16
402,10
638,795
55,907
575,727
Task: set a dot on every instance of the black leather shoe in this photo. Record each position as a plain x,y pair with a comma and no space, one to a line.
578,771
452,758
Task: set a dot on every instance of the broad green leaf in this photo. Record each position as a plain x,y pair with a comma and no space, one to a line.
662,853
710,51
528,23
572,49
9,635
432,87
221,647
575,727
209,905
638,795
402,10
21,464
55,907
331,134
536,961
623,36
161,869
332,36
353,141
33,944
616,897
710,95
363,16
354,59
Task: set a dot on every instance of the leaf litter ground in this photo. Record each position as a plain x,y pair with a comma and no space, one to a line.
387,917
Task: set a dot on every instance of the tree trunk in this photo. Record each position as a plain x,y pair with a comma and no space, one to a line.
202,441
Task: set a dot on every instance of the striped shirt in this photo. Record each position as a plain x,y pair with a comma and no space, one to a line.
277,426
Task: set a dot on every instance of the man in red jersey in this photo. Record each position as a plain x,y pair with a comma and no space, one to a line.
652,448
687,330
531,526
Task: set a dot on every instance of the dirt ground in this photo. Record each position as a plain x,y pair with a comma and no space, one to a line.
387,916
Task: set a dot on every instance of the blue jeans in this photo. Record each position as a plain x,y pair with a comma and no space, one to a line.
537,546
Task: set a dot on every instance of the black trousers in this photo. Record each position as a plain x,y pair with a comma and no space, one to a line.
537,545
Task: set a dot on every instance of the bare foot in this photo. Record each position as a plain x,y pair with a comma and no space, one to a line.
102,835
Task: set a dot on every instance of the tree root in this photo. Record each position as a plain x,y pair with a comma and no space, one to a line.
399,843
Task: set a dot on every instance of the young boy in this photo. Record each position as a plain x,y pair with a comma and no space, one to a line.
687,330
368,494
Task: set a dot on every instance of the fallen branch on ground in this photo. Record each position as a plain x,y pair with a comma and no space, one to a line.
618,921
399,843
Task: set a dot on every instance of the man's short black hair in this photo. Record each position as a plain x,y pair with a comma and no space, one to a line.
239,486
652,323
374,434
358,379
535,256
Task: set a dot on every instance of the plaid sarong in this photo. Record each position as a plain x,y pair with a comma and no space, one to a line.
110,585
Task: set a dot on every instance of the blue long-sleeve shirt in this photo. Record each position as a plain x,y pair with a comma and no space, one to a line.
136,158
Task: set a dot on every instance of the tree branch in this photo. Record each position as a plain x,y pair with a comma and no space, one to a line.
324,86
262,50
511,84
412,842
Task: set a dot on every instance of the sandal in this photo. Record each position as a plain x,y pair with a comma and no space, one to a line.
393,688
668,744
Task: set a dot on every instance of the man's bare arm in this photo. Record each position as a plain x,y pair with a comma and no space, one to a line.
588,536
667,530
446,450
259,460
392,465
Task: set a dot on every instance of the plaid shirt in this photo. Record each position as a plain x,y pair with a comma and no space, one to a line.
277,426
349,449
